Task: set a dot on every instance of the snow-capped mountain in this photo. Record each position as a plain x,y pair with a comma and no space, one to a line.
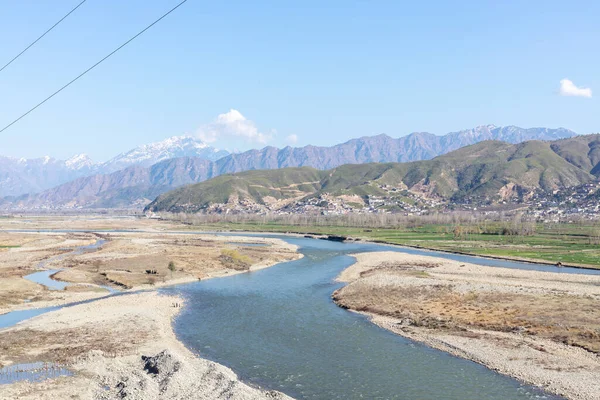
80,161
138,184
149,154
20,176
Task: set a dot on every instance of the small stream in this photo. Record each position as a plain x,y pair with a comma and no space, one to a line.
32,372
40,371
44,277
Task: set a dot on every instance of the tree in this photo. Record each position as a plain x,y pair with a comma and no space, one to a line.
458,233
171,268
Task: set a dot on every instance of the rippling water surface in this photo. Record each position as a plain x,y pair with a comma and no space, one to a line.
279,328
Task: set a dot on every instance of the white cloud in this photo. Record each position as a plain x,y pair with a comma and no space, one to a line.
568,88
292,139
232,125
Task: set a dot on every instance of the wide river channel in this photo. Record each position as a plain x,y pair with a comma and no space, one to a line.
278,328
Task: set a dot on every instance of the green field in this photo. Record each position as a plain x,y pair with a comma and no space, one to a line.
576,245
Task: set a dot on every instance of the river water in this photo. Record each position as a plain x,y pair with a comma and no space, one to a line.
44,277
278,328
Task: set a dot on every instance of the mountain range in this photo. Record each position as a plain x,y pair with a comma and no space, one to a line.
487,172
134,178
174,147
20,176
382,148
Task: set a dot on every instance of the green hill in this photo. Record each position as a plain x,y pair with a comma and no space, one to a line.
255,185
581,151
490,171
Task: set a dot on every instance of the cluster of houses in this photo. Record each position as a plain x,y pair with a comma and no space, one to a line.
582,201
395,200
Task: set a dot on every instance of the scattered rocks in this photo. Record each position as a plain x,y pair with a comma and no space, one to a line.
162,366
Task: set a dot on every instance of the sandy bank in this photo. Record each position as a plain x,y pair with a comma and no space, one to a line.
27,253
103,343
127,261
540,327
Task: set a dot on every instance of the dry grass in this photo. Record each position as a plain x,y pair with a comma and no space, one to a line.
14,290
85,288
235,260
432,302
126,260
65,345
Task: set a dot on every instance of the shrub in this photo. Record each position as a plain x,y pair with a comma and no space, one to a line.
171,267
233,258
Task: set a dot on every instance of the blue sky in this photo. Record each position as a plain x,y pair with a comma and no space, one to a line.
324,71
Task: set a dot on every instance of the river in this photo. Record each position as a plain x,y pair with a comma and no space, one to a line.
278,328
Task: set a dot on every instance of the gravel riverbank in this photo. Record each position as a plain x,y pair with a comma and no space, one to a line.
118,348
540,327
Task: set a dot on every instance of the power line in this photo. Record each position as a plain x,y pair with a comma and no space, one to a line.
92,67
43,34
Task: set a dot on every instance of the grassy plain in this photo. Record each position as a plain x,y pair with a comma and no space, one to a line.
569,244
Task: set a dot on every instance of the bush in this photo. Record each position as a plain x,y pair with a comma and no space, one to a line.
171,267
233,259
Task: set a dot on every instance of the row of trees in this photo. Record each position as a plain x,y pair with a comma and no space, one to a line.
460,224
483,222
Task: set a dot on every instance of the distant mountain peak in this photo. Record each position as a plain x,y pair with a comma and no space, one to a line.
79,161
172,147
177,141
169,144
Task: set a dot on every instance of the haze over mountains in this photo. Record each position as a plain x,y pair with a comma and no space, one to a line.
22,176
135,178
18,176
